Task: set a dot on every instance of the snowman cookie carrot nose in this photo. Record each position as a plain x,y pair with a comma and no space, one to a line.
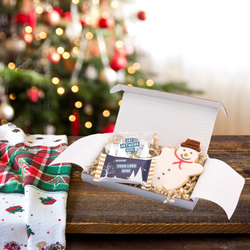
173,167
188,152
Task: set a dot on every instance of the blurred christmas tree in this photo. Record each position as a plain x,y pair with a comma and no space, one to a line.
59,60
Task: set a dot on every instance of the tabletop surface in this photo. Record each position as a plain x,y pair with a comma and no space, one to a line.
93,209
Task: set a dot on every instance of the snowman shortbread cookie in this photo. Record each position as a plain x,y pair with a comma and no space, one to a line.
173,167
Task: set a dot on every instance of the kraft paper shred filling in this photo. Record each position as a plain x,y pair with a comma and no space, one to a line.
155,150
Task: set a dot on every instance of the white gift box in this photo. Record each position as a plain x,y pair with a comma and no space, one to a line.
174,118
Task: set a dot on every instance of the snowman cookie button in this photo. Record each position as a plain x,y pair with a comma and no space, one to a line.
173,167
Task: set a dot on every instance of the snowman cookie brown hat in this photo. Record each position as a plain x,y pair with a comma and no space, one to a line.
173,167
189,143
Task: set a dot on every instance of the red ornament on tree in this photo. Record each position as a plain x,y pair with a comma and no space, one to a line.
32,18
109,128
76,125
118,62
83,22
59,10
142,15
107,22
67,15
33,94
54,57
50,18
22,18
28,18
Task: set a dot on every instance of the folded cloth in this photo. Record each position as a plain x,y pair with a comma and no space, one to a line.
33,195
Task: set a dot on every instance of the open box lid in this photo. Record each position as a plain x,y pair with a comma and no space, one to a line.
174,117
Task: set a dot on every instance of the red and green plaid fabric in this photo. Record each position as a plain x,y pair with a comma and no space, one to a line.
22,165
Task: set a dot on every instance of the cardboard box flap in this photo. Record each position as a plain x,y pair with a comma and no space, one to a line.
170,96
83,151
220,184
174,117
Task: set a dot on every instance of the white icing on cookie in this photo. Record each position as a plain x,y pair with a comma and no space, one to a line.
173,168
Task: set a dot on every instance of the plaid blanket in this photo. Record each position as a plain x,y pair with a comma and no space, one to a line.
33,195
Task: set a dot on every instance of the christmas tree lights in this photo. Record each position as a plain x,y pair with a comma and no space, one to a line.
61,59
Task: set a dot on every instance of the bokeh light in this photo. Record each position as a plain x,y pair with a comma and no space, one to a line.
55,80
28,29
78,104
60,91
74,89
66,55
39,10
89,35
59,31
149,82
60,50
11,65
72,118
88,124
106,113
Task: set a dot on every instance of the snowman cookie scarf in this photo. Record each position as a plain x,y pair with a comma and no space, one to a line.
173,168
